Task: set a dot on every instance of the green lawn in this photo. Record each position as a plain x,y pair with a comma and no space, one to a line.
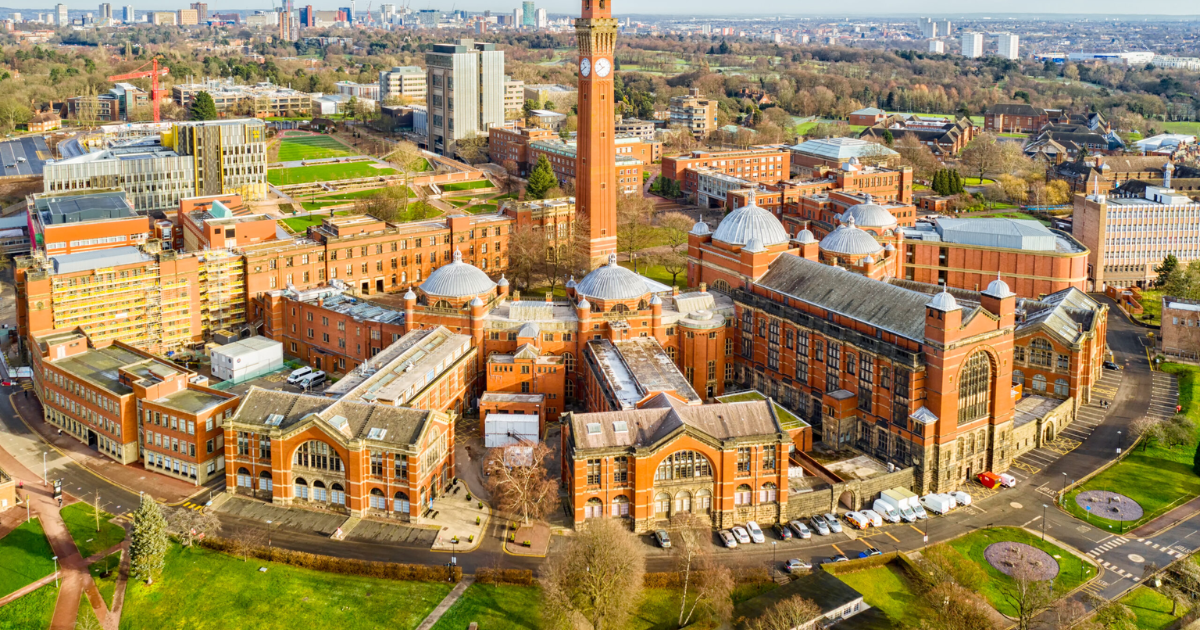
27,556
742,397
301,223
1152,306
1157,477
975,181
81,523
85,609
107,585
788,419
1153,609
31,611
457,186
311,147
1188,127
326,173
495,607
482,208
1072,571
888,589
281,598
657,273
1016,215
917,187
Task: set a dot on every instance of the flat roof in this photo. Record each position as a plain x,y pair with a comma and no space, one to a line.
88,261
101,367
251,345
425,357
191,401
59,209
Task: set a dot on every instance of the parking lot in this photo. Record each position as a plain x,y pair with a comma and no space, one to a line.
32,149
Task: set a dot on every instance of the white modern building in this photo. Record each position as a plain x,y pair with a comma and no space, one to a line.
466,92
972,45
61,11
1007,44
246,359
407,83
1177,63
130,15
1125,58
937,46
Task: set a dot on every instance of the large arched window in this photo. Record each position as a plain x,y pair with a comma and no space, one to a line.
620,505
264,481
1039,383
769,493
683,501
337,494
683,465
1018,377
301,488
743,495
318,492
974,388
662,503
400,503
1041,353
704,500
243,479
722,286
378,501
569,361
594,508
314,454
619,308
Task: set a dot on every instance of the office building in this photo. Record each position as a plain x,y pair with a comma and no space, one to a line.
972,45
765,165
528,14
201,9
405,84
104,15
61,11
559,98
260,100
514,96
368,91
130,16
694,112
121,102
188,17
937,46
466,92
1007,44
164,18
541,19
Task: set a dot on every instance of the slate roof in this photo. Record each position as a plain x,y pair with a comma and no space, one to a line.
1063,313
1016,109
402,424
878,304
663,414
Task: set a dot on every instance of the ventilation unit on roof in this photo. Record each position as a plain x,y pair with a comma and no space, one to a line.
273,420
593,428
340,423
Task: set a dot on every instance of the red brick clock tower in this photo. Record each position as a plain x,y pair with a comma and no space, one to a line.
596,156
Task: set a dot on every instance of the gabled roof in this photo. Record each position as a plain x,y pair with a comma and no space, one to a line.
664,415
1068,314
1016,109
290,411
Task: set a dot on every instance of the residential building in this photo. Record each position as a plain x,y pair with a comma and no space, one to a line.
506,144
188,17
937,47
201,9
759,164
867,116
122,101
1007,45
695,113
945,137
60,11
44,122
972,45
163,18
129,15
1015,118
404,83
931,28
466,92
541,19
259,100
514,97
633,127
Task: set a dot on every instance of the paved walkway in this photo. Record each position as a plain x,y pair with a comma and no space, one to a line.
447,603
27,589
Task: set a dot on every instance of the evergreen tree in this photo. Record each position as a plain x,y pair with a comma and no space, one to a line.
957,187
541,180
1164,270
203,107
888,138
149,543
939,182
1196,461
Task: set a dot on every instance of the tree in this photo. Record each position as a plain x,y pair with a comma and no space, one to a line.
203,107
541,179
915,154
520,482
958,608
674,228
943,565
14,112
635,225
87,619
1027,594
982,155
596,582
1113,615
407,157
191,526
246,539
1146,428
1185,282
789,614
888,138
526,251
149,543
389,203
1165,269
473,148
707,586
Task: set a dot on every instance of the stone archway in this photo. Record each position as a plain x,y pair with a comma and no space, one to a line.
848,500
1048,433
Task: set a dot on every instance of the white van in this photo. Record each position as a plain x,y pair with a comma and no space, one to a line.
886,510
312,380
296,375
937,503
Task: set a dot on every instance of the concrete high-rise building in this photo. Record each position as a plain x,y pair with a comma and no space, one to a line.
466,92
105,13
403,82
130,15
528,19
188,17
972,45
201,9
61,13
516,18
937,46
541,18
596,152
1006,45
931,28
15,17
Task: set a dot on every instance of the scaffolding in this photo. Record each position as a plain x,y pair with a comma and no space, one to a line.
222,291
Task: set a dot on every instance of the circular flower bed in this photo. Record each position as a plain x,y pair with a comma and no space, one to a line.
1011,557
1109,505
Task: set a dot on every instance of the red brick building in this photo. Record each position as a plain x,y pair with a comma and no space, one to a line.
1015,118
762,165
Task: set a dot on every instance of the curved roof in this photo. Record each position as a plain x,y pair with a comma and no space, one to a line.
869,215
457,279
848,240
805,236
750,221
943,302
998,289
612,282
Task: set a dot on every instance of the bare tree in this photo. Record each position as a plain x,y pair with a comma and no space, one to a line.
596,582
916,154
407,157
958,609
473,148
520,482
679,139
566,256
1027,594
1067,611
707,586
192,525
635,225
674,228
526,255
1147,428
789,614
246,539
983,155
87,619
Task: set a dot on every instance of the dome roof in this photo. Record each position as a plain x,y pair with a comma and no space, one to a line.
612,282
998,289
755,245
805,236
584,304
943,302
848,240
409,295
475,301
655,300
457,279
869,215
749,221
571,283
700,229
503,281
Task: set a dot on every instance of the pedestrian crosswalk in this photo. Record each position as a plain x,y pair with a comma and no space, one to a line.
1163,548
1107,545
193,506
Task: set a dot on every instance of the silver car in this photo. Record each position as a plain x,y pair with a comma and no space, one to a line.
820,525
800,529
834,525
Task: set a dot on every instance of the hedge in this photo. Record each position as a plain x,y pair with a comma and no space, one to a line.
519,577
756,575
345,566
853,566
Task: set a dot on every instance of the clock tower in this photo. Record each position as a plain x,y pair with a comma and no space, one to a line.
596,153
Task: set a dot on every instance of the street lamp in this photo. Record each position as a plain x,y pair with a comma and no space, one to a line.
45,474
1044,506
773,543
1062,496
268,533
55,559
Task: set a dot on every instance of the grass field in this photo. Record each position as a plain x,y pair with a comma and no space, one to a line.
301,223
106,585
27,556
1152,306
81,523
326,173
1017,215
482,208
1071,570
311,147
888,589
496,607
1153,609
975,181
243,597
657,273
85,610
1157,477
459,186
32,611
1188,127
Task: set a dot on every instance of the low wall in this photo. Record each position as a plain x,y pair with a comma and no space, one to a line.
862,493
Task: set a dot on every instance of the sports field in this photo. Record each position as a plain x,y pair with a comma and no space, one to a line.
326,173
310,147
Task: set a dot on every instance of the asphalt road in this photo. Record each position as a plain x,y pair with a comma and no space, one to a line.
32,149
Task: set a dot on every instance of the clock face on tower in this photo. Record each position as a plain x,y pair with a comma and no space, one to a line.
585,67
602,67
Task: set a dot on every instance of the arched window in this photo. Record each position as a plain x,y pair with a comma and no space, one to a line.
569,389
378,501
743,495
722,286
671,353
1018,377
683,501
683,465
319,493
243,479
1041,353
442,304
400,503
594,508
619,308
337,495
704,500
768,493
620,505
315,454
569,361
1062,388
264,481
642,305
974,388
1039,383
662,503
301,488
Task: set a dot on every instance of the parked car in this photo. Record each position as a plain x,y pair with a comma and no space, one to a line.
662,538
296,375
756,533
870,551
740,534
795,564
841,557
800,529
783,532
1111,365
1008,480
820,525
727,539
874,517
832,520
962,498
858,520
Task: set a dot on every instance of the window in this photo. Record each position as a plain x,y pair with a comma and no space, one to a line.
620,506
768,457
569,361
621,469
401,467
818,350
1062,362
801,370
773,339
768,493
1039,383
593,472
314,454
376,464
834,358
1018,377
1040,353
743,495
593,508
974,388
802,343
773,357
743,459
1061,387
683,465
662,503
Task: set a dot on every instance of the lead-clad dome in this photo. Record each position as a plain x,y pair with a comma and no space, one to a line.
943,302
612,282
869,215
750,221
848,240
456,280
998,289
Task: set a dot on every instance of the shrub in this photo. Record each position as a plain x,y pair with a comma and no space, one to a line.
344,566
519,577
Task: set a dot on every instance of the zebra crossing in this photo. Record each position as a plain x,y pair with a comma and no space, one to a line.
1171,551
1112,543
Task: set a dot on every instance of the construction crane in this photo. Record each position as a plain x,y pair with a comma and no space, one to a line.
153,74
